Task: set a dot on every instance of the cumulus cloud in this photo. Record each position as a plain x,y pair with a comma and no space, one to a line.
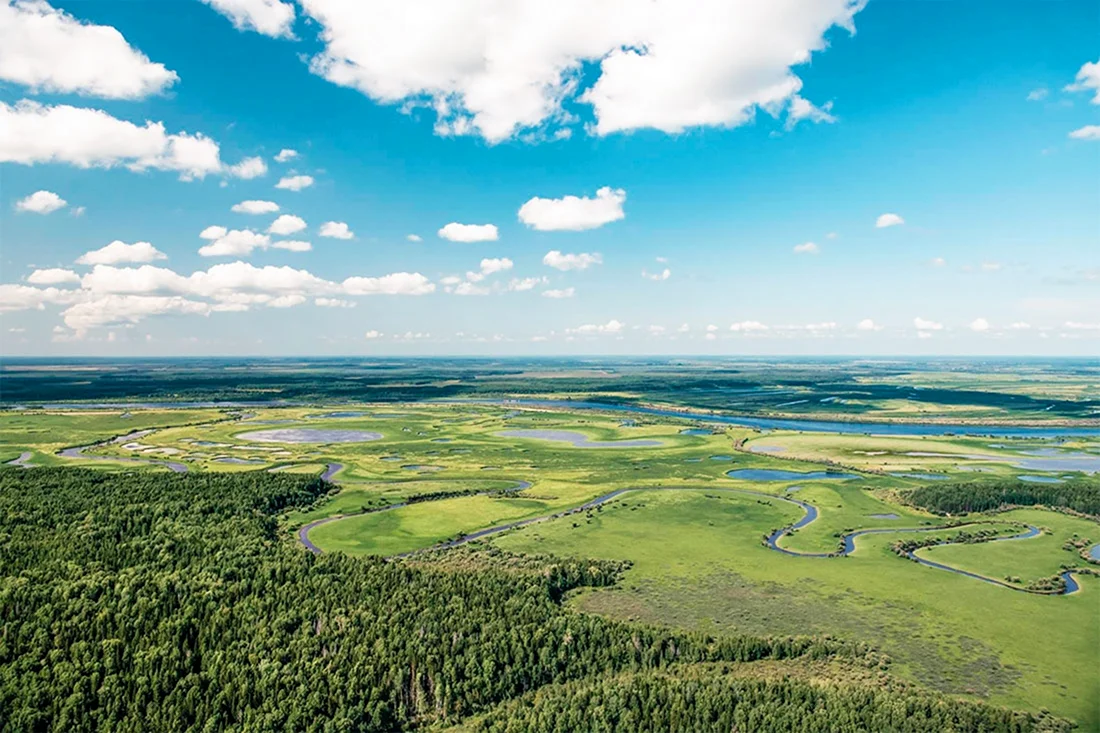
1020,326
808,248
470,288
286,224
33,133
868,325
496,264
979,324
398,283
292,245
286,154
517,65
888,220
664,274
232,243
414,238
248,168
53,276
573,213
1087,80
372,334
336,230
802,109
1088,132
519,285
469,232
579,261
294,183
119,252
748,326
612,326
559,293
48,50
268,17
41,202
25,297
115,310
255,207
923,324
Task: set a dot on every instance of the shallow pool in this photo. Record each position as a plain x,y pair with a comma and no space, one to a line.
310,435
773,474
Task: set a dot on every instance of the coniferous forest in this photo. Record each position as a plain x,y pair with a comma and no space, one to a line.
149,602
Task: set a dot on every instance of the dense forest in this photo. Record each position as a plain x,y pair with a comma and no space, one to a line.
1079,495
153,602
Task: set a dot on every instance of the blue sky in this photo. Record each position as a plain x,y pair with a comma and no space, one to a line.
725,138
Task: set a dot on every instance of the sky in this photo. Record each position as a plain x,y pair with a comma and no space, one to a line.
514,177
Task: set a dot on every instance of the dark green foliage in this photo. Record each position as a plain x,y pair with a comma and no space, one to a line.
662,702
1080,495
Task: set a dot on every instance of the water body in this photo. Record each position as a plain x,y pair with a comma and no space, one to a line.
442,440
415,467
578,440
766,448
1040,479
923,476
337,415
721,458
78,452
239,461
1084,462
774,474
696,431
820,426
310,435
23,461
331,470
391,459
1094,552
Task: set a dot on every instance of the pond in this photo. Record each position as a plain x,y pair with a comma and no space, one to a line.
773,474
309,435
578,440
1040,479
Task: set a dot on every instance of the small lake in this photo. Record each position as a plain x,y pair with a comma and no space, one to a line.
1040,479
578,440
337,415
696,431
417,467
1094,552
923,476
773,474
766,448
309,435
239,461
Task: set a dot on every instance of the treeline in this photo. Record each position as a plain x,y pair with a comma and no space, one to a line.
153,602
662,702
1079,495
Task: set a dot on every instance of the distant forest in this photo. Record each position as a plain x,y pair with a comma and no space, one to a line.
1080,495
153,602
753,385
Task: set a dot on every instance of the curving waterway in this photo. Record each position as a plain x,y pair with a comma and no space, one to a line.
809,515
78,452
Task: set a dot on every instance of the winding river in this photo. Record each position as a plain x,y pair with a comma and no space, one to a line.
78,452
810,514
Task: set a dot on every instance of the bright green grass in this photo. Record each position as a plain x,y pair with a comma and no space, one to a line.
699,563
1039,557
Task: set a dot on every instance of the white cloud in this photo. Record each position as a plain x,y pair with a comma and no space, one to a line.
114,310
924,334
808,248
612,326
868,325
292,245
41,202
579,261
51,51
77,211
469,232
517,65
559,293
1020,326
1088,79
213,232
888,220
922,324
286,154
496,264
248,168
53,276
979,324
711,328
32,133
286,224
333,303
572,213
1038,95
656,330
372,334
118,252
24,297
1078,326
269,17
802,109
937,262
469,288
748,326
517,285
664,274
398,283
1088,132
711,337
294,183
232,243
336,230
414,238
255,207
